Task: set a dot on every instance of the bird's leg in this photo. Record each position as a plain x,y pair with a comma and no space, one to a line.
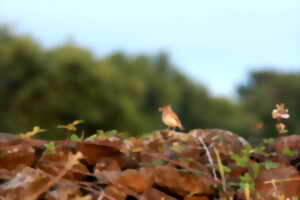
172,129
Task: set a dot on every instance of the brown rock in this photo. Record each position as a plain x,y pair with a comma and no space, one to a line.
94,152
182,183
235,173
287,183
64,190
112,192
24,184
54,163
153,194
137,180
107,177
292,142
196,198
17,155
224,141
107,164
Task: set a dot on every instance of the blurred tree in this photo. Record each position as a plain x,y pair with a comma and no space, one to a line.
268,88
20,65
120,91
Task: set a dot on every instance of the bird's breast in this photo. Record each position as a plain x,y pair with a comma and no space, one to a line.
170,121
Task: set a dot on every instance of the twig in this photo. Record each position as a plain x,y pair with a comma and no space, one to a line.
273,181
71,162
247,192
102,195
221,169
209,158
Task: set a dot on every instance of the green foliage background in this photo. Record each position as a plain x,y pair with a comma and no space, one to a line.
47,87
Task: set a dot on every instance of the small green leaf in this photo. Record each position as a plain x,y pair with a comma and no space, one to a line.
260,149
144,164
90,139
111,133
243,185
50,147
288,152
71,126
256,168
270,165
240,160
246,178
186,160
178,148
75,137
234,184
192,171
102,136
226,169
215,137
234,156
247,149
137,149
2,152
268,140
124,150
158,162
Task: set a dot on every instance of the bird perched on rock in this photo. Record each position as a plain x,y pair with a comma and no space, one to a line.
170,118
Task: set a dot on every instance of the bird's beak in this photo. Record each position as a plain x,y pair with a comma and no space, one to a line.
159,109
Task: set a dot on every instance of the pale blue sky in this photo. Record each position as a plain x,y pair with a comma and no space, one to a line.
216,42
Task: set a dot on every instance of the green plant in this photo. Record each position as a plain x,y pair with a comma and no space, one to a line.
72,127
243,158
74,137
50,147
35,130
288,152
270,165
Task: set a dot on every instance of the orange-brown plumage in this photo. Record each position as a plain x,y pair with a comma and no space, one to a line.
170,118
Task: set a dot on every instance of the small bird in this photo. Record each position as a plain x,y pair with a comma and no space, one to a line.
170,118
